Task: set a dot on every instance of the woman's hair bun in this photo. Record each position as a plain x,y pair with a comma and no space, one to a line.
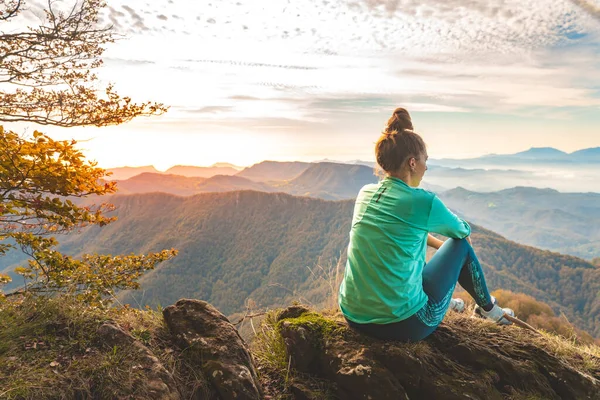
399,121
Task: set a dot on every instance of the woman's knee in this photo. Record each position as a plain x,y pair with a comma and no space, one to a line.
457,247
458,242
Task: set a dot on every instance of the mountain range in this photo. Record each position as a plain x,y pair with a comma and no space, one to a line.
264,244
267,247
535,155
330,181
274,170
149,182
536,167
287,170
545,218
122,173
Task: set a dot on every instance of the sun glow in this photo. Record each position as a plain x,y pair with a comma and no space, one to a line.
248,81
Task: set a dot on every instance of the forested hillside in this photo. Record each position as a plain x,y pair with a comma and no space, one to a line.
231,246
564,222
238,245
550,277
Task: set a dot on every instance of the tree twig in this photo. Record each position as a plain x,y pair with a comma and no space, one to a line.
250,316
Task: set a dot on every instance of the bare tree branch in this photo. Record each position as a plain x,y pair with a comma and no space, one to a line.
9,10
50,68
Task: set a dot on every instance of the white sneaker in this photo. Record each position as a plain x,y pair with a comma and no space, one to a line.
496,314
457,305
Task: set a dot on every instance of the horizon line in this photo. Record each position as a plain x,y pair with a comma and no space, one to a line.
343,161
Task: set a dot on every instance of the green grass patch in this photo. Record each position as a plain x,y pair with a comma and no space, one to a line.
274,365
321,327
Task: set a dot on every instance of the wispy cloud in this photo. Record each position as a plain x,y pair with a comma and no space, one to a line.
589,7
252,64
138,21
210,110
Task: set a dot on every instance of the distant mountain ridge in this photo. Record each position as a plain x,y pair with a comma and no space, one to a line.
535,155
291,169
541,152
204,172
148,182
122,173
325,180
187,185
565,222
274,170
227,183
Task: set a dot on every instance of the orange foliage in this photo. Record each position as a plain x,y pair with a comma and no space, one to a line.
541,316
536,313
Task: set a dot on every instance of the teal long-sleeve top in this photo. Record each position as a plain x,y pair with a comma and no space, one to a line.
386,254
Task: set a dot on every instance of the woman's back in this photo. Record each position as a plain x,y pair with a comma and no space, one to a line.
386,253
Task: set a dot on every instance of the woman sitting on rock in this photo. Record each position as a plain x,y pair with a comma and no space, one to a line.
389,291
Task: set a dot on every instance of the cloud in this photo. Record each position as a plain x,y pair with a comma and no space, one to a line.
274,123
244,98
210,110
128,62
116,13
289,100
329,108
312,58
252,64
407,26
589,7
132,12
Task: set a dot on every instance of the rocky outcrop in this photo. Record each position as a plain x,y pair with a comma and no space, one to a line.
301,354
212,345
156,382
464,358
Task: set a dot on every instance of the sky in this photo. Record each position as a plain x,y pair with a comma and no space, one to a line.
253,80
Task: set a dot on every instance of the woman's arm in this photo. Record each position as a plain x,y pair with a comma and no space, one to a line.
443,221
434,242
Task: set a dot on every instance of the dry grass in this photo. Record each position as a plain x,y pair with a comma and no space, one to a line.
49,349
328,278
270,356
583,357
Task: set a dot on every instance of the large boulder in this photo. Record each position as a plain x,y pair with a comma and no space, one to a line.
156,382
213,345
464,358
